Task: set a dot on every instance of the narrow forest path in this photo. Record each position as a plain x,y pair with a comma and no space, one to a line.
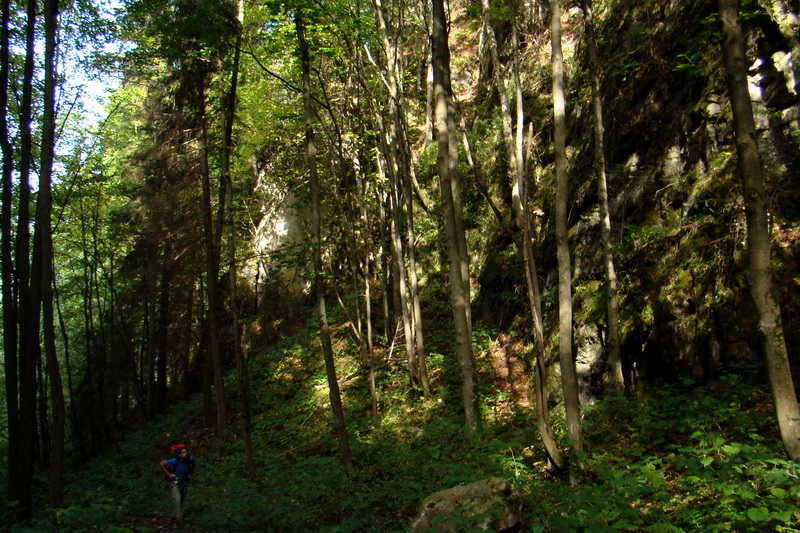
156,522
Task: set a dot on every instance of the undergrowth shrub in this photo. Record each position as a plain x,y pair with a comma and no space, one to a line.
675,460
678,458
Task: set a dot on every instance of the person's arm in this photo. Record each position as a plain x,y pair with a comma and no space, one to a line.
165,468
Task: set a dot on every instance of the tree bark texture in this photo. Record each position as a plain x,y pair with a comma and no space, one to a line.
373,390
20,488
150,363
44,229
162,328
212,261
450,186
242,368
568,375
10,311
759,271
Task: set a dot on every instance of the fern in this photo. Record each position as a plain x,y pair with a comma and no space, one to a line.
663,528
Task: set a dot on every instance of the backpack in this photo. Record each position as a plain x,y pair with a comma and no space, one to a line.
174,452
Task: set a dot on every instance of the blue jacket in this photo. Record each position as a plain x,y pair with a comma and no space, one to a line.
182,470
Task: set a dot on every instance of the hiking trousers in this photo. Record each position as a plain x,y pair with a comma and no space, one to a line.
178,501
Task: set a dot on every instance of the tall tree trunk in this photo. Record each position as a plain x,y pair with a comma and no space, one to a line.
614,362
151,374
500,85
202,350
89,337
522,219
21,488
452,207
399,256
408,191
10,311
364,213
398,145
759,271
243,371
397,170
116,358
44,230
385,272
188,344
416,303
520,200
101,339
568,375
162,329
324,331
212,261
429,99
373,391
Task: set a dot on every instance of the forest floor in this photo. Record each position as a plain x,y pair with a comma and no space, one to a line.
684,457
157,523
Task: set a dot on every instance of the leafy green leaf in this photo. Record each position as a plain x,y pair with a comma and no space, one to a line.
731,449
778,492
758,514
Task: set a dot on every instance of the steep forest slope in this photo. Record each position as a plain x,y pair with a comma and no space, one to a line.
695,447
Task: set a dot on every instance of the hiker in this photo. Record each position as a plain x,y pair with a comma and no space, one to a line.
178,475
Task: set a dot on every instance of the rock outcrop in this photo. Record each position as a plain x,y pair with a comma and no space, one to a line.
489,504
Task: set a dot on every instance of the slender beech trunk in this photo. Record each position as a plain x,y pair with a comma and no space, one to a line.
521,216
373,390
568,375
429,106
759,271
452,207
502,91
324,331
398,145
399,256
385,273
114,354
387,170
416,302
89,336
520,199
614,362
202,349
44,230
397,169
101,339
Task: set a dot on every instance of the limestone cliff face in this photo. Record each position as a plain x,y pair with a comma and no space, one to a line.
676,207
